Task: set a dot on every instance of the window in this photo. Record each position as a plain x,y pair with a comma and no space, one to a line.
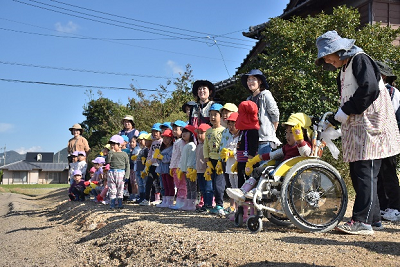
54,177
20,177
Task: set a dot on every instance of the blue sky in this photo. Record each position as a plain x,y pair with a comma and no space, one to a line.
108,44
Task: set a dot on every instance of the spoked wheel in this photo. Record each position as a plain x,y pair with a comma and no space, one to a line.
239,216
254,224
277,218
314,196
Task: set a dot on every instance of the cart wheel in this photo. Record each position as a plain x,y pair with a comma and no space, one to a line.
254,224
314,196
279,219
239,217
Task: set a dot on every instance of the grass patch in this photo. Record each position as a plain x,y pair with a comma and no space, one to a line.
32,190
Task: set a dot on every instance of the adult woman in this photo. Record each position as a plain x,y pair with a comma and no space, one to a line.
203,91
268,111
78,142
369,128
129,128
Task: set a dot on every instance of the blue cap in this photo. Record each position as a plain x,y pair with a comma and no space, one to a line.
126,138
156,127
216,106
179,123
166,124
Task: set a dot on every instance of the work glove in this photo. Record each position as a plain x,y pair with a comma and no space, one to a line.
341,116
209,170
250,163
148,164
191,174
157,154
234,167
143,174
297,132
171,172
134,157
143,160
226,153
179,173
207,176
218,168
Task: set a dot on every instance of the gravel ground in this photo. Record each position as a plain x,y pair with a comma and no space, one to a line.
48,230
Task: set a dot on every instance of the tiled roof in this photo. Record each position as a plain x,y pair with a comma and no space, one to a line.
28,166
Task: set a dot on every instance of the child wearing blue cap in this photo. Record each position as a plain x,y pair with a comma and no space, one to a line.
211,153
153,181
180,184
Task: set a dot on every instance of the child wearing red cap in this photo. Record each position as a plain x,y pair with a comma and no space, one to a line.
247,146
228,154
205,186
163,157
187,166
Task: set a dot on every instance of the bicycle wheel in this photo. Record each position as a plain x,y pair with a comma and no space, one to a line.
314,196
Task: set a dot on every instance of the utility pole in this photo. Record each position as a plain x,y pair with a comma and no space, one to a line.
4,154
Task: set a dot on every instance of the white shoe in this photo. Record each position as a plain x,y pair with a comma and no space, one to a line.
156,202
144,203
236,194
250,194
391,215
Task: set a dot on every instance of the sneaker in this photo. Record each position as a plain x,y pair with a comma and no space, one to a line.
222,212
355,228
145,203
156,202
236,194
391,215
203,209
377,225
250,194
216,210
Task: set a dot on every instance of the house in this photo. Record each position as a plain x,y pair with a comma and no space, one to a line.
386,12
37,168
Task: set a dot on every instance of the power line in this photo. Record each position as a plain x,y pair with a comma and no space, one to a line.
143,47
156,24
83,70
192,38
77,85
89,38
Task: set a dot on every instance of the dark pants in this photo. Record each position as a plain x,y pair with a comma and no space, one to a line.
227,181
153,182
242,177
79,195
218,182
364,175
206,189
388,185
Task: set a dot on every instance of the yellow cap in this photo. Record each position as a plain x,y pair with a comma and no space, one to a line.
301,118
148,137
107,146
231,107
142,136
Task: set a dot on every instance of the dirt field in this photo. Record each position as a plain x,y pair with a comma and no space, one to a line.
48,230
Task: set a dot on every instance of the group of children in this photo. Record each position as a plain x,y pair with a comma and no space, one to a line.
169,166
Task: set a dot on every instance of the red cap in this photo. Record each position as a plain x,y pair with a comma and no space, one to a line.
204,127
248,116
167,133
191,129
233,116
